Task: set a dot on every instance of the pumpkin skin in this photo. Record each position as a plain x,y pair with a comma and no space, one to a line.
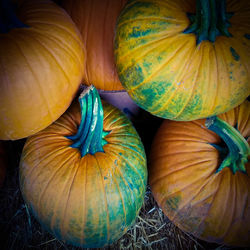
182,174
3,163
168,74
41,69
89,201
96,21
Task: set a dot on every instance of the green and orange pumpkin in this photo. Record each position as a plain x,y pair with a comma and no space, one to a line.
185,59
84,177
199,175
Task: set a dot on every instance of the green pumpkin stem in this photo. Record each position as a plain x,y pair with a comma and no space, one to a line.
90,135
238,148
8,18
210,20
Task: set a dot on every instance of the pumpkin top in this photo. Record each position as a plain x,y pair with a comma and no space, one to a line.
210,20
90,135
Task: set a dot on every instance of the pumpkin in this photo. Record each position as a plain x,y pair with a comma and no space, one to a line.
96,21
184,60
42,64
84,177
3,163
199,175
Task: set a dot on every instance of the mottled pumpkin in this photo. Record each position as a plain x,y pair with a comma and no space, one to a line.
84,177
41,66
177,62
200,180
96,21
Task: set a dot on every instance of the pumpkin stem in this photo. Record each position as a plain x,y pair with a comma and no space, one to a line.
90,135
238,148
8,18
210,20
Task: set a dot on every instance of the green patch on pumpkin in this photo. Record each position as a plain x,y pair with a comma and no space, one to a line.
138,32
92,232
193,108
173,203
133,75
234,54
150,94
147,65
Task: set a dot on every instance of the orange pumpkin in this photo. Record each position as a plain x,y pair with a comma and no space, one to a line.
42,64
84,177
96,21
200,178
3,162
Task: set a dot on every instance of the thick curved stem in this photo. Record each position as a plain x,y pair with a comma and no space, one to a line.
223,23
90,135
237,147
213,31
8,18
210,20
205,21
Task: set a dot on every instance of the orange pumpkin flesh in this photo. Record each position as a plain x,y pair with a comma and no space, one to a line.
188,184
85,191
96,21
41,69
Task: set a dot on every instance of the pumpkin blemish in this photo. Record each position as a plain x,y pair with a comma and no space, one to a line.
234,54
247,36
134,75
138,32
173,203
